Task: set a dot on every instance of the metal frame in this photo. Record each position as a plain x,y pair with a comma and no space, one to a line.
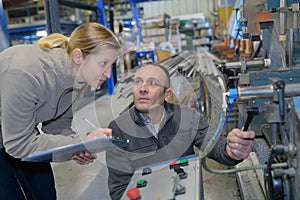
3,21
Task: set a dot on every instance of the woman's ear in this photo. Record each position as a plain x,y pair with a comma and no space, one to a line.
77,56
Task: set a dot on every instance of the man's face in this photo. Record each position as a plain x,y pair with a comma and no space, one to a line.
149,88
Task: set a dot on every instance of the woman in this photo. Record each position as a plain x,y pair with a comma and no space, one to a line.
37,83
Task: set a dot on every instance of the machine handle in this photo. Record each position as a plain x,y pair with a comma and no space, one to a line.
251,113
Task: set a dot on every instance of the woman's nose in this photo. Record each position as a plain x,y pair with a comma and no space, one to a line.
107,72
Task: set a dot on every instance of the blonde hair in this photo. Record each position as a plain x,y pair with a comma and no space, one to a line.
86,37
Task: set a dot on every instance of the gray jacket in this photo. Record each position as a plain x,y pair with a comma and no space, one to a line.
35,86
184,128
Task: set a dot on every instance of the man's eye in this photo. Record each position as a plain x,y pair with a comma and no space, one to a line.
153,82
138,82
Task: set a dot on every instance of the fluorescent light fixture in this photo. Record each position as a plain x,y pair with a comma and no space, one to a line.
42,33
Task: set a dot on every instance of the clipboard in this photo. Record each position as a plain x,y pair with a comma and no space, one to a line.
65,153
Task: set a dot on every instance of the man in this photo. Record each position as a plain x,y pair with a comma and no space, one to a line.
159,131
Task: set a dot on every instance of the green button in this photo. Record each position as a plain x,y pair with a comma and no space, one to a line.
140,182
183,161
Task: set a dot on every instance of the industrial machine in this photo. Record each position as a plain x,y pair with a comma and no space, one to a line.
266,82
258,88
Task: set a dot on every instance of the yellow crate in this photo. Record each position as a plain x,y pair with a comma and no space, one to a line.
161,55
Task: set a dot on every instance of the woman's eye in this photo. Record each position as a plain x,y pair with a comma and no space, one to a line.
103,63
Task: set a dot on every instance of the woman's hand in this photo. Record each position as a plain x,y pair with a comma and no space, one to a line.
99,132
84,158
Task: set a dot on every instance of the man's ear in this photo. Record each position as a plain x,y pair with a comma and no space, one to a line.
77,56
168,94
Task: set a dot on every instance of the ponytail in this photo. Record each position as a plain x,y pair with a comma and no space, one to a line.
86,37
55,40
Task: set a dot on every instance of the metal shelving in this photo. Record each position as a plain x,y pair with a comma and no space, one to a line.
27,20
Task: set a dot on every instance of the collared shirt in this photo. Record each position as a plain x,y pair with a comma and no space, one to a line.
154,128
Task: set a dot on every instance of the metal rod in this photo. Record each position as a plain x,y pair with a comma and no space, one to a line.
255,63
266,91
282,17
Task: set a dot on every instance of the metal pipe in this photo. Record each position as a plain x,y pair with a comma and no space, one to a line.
257,63
52,16
213,8
295,20
295,9
266,91
282,17
275,133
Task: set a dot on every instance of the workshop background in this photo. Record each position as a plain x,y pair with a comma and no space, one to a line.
243,53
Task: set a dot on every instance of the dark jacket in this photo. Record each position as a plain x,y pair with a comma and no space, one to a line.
184,129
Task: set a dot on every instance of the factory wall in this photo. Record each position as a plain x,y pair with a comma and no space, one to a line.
177,7
208,8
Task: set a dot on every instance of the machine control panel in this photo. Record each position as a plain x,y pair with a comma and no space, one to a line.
175,179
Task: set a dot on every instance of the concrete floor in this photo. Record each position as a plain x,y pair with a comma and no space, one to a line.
90,182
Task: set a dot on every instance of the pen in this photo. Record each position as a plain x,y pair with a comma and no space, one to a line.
90,123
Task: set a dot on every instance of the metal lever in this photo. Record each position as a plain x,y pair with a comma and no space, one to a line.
251,113
280,89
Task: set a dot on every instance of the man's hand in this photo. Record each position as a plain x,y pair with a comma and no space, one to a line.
86,157
239,144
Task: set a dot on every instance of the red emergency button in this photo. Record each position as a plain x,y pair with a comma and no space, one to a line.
133,193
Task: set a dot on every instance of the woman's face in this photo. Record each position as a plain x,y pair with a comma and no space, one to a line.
96,67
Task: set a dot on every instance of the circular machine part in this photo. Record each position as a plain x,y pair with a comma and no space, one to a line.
273,186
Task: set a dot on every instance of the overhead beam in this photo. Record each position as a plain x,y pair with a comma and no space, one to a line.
13,3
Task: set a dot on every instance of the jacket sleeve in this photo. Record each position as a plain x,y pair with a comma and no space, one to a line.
119,167
19,100
218,153
60,125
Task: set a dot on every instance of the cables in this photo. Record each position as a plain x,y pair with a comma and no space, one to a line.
231,171
212,177
228,115
210,145
214,139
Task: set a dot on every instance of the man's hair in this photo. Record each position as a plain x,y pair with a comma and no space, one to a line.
165,70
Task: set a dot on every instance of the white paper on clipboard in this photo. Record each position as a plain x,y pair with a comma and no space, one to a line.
65,153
